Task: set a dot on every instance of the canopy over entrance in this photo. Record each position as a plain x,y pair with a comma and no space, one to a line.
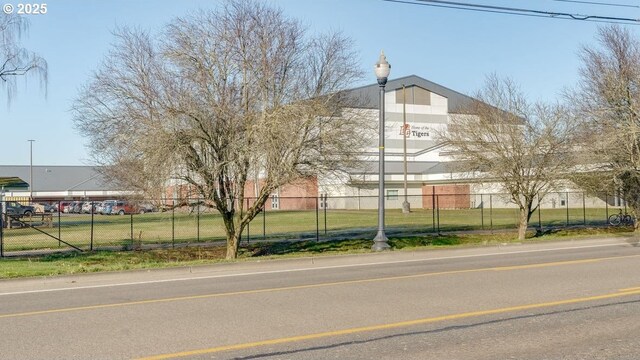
13,183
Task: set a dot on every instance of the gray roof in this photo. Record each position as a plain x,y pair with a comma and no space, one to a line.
367,96
60,178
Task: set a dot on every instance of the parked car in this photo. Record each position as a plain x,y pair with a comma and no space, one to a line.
60,206
87,207
144,208
15,208
105,207
48,207
125,207
67,209
75,207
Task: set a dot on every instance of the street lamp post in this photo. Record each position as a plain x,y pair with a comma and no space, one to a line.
31,170
382,70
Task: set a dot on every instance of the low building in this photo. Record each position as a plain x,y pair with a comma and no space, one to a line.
60,183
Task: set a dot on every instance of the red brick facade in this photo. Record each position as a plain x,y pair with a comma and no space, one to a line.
446,196
301,195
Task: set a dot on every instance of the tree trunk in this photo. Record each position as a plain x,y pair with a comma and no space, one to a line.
233,234
524,222
233,240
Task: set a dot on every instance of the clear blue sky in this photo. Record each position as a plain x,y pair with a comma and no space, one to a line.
451,47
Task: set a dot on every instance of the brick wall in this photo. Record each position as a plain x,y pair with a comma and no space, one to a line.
448,196
298,196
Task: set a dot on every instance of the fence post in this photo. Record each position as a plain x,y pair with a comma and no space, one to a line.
173,223
491,212
131,229
1,230
248,226
539,213
481,212
606,209
567,206
264,221
324,204
59,223
92,223
438,207
317,221
433,210
584,210
198,222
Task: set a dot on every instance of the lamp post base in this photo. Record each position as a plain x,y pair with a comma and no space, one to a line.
406,207
380,242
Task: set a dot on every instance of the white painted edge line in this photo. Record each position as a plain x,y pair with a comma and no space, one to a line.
305,269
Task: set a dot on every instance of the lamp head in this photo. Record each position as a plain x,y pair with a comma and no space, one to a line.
382,69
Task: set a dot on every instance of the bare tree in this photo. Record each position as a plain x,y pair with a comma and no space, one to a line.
607,100
504,138
16,61
219,99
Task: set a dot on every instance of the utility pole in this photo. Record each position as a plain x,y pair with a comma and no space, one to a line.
406,207
30,170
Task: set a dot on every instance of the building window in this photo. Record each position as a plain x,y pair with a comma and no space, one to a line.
392,194
275,202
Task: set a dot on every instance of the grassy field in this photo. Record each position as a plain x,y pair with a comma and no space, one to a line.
87,262
181,227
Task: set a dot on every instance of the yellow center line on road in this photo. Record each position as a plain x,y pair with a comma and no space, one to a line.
389,326
311,286
549,264
630,289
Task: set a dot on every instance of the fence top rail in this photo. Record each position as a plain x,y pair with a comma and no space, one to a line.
193,201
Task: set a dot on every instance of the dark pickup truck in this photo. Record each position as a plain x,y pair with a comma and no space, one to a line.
15,208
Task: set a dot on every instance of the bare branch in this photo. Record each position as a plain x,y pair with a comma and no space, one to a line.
16,61
607,101
507,139
219,99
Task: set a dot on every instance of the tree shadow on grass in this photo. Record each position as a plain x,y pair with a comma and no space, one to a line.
314,247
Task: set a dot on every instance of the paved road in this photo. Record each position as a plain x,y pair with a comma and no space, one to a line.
566,300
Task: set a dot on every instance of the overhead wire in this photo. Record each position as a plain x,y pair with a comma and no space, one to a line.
518,11
413,2
599,3
531,11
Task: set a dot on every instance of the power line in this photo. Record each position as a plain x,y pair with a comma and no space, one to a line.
412,2
531,11
599,3
518,11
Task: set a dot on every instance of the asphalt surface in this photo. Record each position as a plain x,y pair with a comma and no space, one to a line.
565,300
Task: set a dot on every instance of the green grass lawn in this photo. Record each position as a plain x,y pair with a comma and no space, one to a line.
97,261
180,227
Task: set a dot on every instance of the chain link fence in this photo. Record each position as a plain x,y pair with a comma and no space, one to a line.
117,225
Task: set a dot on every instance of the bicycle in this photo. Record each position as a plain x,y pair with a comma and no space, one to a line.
620,218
